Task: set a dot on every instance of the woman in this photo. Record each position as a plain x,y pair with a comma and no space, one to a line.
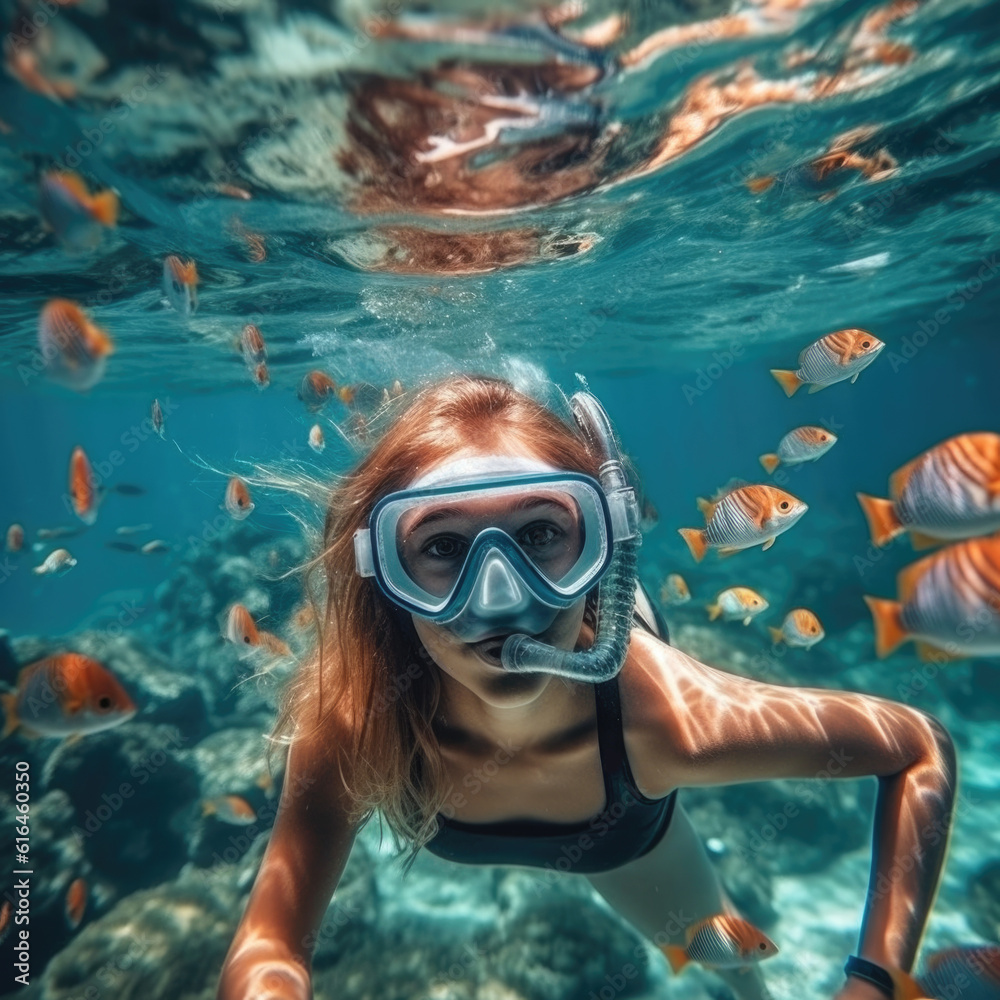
478,516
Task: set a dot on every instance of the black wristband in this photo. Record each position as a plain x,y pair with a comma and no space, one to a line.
871,973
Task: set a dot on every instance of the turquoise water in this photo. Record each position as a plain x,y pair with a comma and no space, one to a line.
232,134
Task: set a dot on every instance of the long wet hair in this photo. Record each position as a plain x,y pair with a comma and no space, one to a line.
370,683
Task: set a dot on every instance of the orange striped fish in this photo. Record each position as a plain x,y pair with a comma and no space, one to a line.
180,283
737,604
741,518
721,942
76,902
241,630
949,491
83,488
833,358
252,344
948,603
674,590
238,501
800,628
804,444
316,440
316,389
74,348
15,538
88,698
77,217
230,809
971,972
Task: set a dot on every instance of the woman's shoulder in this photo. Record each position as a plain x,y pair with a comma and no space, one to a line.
664,692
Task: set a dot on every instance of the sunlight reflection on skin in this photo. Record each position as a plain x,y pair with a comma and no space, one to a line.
731,729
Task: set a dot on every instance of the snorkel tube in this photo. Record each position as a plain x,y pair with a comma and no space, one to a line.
605,658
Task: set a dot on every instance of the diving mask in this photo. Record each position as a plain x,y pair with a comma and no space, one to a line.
490,545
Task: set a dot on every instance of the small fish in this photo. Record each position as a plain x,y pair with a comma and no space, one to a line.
758,185
252,345
229,809
15,538
180,282
804,444
800,628
362,396
721,942
316,440
240,627
241,630
948,492
59,561
741,518
132,529
948,603
737,604
62,531
122,546
75,350
833,358
64,695
155,546
77,217
128,489
265,783
674,590
260,375
156,415
238,501
76,902
233,191
316,389
6,919
970,973
83,489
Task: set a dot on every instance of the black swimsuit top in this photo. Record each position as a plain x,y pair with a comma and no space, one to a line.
629,826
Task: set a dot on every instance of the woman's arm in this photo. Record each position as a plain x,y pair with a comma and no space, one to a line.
270,956
718,728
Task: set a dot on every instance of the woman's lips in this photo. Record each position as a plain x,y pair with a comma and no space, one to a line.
489,649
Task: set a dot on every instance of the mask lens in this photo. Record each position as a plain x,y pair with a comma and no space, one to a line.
435,539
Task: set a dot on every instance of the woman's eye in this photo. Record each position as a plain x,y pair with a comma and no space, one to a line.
538,534
445,547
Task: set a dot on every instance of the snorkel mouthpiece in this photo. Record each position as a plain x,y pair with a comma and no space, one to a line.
605,658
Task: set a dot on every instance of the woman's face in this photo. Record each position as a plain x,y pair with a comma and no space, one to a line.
476,665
